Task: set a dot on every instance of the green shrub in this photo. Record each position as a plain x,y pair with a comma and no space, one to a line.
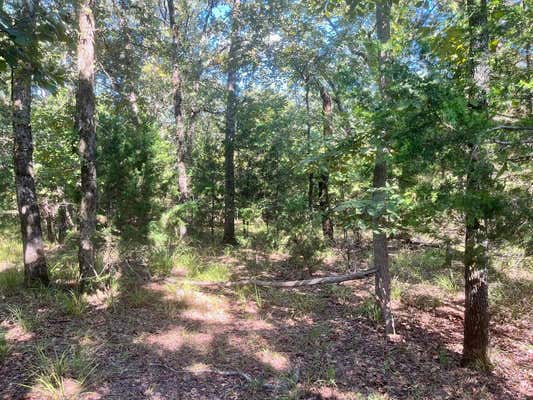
305,246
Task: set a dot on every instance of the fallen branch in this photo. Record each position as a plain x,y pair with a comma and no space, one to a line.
289,284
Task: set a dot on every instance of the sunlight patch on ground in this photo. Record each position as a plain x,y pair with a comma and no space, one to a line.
276,361
70,389
16,333
177,338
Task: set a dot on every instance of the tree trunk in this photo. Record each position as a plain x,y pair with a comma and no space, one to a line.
62,225
181,131
229,142
85,104
35,269
379,197
311,183
529,95
476,260
323,182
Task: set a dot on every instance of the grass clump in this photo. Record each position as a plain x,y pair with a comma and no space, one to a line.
511,299
4,346
369,309
11,280
18,316
397,290
448,281
51,371
418,266
72,303
161,262
139,297
10,245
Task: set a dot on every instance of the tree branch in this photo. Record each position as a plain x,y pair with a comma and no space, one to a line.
289,284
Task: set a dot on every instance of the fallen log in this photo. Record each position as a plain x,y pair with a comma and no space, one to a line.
289,284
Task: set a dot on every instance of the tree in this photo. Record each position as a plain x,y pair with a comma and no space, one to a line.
229,140
476,259
323,182
182,134
85,104
35,269
379,195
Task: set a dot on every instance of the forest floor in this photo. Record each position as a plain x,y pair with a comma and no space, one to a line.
153,337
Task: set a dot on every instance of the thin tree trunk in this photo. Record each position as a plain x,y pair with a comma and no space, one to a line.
323,182
35,269
181,131
379,197
529,95
85,104
62,223
229,142
476,260
311,183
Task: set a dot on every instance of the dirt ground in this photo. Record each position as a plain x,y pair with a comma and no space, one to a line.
158,339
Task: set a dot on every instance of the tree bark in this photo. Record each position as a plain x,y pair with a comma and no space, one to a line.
62,223
85,104
182,140
35,269
379,197
476,260
323,182
311,183
229,142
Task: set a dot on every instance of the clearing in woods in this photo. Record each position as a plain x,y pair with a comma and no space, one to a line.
150,336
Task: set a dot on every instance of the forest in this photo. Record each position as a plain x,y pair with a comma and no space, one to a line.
266,199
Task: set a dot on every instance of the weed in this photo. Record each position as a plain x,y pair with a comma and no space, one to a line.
510,299
257,297
450,281
139,297
396,290
17,315
72,303
50,372
4,346
161,262
340,293
417,266
11,280
316,336
63,266
10,247
82,362
424,302
215,272
370,310
444,360
330,374
77,362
